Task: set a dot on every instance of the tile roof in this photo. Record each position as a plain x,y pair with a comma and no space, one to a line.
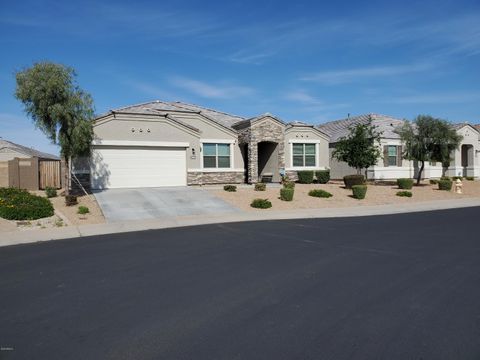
339,128
26,150
224,119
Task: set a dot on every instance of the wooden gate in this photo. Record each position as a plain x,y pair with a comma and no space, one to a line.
49,174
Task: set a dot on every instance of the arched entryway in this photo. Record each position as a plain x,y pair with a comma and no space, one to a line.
467,158
268,164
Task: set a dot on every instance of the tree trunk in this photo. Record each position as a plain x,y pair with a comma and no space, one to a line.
366,174
67,177
419,176
359,171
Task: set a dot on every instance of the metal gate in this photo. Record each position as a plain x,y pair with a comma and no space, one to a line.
50,176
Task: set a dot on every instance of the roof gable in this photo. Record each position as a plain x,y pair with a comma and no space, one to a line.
4,144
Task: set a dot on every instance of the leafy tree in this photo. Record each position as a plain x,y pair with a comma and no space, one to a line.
58,107
360,149
428,139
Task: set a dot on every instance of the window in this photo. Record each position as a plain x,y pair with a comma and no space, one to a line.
216,155
392,155
304,155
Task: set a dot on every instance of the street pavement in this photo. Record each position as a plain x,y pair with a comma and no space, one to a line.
402,286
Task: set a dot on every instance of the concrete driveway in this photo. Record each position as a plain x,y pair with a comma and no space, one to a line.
153,203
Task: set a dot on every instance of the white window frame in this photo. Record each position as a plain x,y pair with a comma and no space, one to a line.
317,155
217,141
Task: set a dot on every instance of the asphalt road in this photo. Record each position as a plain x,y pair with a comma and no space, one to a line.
386,287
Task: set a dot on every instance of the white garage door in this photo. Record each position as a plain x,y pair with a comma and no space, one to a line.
128,167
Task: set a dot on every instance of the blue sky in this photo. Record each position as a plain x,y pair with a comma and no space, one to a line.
312,61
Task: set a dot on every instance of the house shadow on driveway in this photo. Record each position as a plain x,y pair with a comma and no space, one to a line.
156,203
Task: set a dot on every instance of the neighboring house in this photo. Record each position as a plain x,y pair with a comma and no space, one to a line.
173,144
391,165
10,150
26,168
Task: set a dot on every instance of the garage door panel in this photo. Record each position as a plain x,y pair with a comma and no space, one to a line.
117,167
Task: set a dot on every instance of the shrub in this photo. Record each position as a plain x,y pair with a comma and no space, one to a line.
351,180
433,181
261,204
470,178
305,176
404,193
230,188
323,176
455,178
445,178
286,194
18,204
260,186
82,210
71,200
289,185
405,183
319,193
445,185
359,191
50,192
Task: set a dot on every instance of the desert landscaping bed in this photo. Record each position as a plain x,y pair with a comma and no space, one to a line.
64,215
377,194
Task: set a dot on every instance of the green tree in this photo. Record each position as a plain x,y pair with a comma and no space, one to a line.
58,107
360,149
428,139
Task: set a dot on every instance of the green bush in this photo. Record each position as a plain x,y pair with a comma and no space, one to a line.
445,185
359,191
260,187
455,178
261,204
289,185
286,194
305,176
445,178
230,188
71,200
18,204
470,178
50,192
319,193
433,181
404,193
323,176
405,183
82,210
351,180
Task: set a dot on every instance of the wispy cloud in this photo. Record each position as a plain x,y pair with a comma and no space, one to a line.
438,98
215,91
351,75
311,103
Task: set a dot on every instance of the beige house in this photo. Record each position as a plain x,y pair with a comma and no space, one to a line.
465,160
173,144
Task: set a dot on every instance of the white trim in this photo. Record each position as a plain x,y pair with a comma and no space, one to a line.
317,155
218,141
302,141
140,143
209,170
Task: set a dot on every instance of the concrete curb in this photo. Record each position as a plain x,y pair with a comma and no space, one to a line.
31,236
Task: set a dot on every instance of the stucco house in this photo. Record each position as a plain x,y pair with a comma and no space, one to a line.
10,151
172,144
465,160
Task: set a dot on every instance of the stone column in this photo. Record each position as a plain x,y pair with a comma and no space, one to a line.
252,162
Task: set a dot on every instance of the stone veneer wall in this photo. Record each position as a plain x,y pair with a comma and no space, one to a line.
264,130
221,177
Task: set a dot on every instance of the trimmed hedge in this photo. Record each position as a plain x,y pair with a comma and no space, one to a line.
18,204
323,176
433,181
359,191
404,194
319,193
71,200
288,185
50,192
230,188
470,178
82,210
260,187
305,176
455,178
286,194
261,204
445,185
404,183
351,180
